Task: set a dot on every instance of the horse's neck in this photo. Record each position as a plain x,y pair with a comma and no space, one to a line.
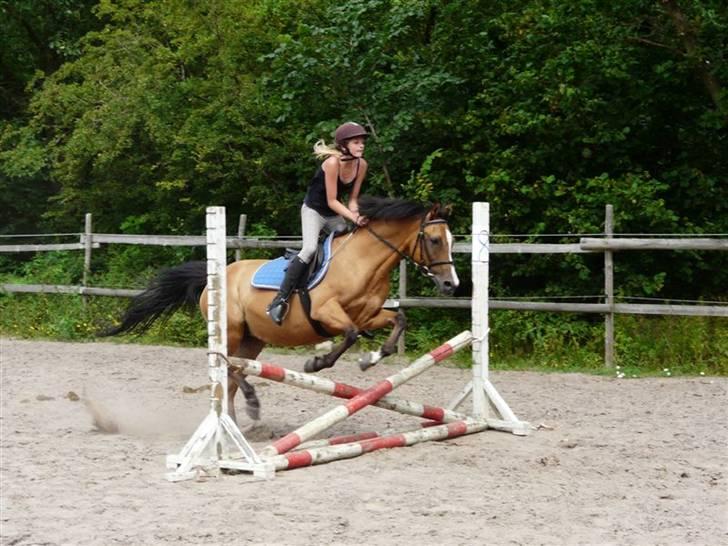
378,255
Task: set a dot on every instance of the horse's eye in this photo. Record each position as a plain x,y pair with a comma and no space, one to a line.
435,240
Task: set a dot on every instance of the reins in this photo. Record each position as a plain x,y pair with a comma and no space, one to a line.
422,267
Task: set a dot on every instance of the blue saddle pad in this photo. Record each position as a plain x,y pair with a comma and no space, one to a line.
270,274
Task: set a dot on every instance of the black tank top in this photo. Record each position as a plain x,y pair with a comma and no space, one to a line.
316,194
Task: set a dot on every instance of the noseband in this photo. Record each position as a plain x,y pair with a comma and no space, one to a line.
422,267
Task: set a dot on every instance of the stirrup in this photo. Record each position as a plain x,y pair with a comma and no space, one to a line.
278,311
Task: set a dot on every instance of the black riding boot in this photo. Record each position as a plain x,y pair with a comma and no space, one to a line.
278,308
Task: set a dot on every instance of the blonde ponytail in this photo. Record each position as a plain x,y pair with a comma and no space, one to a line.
323,151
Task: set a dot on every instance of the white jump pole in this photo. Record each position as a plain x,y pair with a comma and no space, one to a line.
484,393
217,443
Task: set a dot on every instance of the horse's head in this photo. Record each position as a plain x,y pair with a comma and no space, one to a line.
426,240
433,250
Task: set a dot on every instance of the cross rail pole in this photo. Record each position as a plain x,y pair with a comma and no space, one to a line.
338,389
326,454
367,397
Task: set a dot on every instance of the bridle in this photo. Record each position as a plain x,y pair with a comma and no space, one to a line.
422,267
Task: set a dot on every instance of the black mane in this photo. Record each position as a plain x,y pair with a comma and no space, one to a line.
389,208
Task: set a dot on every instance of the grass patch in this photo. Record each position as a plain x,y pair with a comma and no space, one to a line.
645,346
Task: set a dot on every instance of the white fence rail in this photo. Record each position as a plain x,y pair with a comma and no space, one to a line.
607,245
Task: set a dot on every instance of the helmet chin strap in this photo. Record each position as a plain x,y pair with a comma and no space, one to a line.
347,154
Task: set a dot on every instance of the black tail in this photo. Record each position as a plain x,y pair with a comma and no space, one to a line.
172,289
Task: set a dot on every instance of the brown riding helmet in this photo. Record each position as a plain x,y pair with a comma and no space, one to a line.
347,131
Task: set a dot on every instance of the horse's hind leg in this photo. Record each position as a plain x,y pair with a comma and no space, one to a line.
240,346
250,348
385,317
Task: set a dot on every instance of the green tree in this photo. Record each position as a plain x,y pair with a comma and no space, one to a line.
549,110
36,37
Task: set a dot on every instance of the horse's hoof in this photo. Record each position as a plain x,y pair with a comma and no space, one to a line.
311,365
365,362
368,360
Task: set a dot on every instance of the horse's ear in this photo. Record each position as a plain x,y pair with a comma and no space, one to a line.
439,211
434,211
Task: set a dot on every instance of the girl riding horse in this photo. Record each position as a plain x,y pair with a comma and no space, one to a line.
344,168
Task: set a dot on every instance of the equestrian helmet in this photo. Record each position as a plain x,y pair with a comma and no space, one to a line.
347,131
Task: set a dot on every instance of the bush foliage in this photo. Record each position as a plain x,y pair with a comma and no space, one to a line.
144,113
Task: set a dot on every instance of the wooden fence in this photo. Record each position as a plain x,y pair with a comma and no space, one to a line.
608,244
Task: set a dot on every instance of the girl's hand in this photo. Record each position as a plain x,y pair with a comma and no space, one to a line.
360,220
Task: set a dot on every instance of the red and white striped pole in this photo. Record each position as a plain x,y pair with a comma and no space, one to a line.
338,440
350,438
324,385
308,457
368,397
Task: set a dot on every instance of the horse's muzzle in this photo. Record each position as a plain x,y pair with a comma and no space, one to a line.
447,287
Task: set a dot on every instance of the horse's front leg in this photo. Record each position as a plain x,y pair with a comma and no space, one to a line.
384,318
318,363
333,317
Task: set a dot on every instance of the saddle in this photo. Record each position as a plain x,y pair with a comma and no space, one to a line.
269,276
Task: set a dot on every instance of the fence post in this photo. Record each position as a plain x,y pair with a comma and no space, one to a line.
88,246
609,290
402,294
241,233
